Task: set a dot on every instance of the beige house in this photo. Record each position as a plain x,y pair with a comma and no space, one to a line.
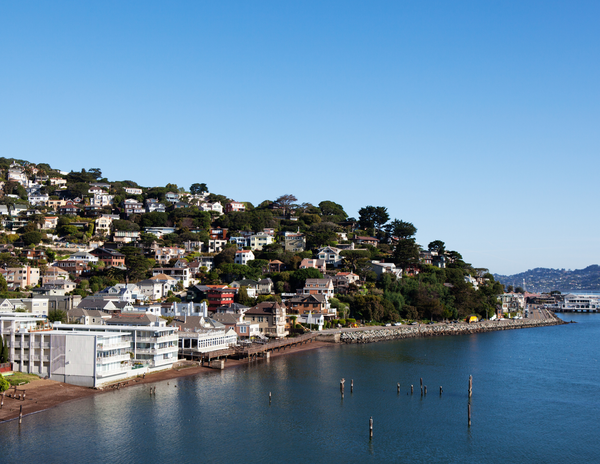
103,225
270,317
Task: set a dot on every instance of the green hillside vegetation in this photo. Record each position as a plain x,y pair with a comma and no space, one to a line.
423,292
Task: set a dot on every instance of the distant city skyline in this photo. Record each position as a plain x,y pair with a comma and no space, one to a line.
476,122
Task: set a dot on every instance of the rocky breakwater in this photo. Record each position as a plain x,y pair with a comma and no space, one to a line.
371,335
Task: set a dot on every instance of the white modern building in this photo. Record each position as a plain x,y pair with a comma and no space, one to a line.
86,355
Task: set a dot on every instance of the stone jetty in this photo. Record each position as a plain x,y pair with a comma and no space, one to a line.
370,335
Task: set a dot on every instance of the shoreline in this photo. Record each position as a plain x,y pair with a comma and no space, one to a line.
45,394
439,330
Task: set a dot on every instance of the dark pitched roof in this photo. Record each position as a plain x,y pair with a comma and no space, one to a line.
233,307
319,298
226,318
266,307
192,323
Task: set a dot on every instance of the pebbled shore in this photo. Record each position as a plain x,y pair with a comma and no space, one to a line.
436,330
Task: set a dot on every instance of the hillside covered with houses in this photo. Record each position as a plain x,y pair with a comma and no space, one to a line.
92,244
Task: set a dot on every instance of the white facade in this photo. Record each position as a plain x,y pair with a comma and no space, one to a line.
101,199
256,242
314,319
331,256
206,340
243,256
578,303
83,257
186,309
386,268
87,355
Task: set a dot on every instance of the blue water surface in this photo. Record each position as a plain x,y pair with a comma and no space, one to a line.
535,399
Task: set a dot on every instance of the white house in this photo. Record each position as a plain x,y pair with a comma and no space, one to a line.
386,268
243,256
83,257
330,255
256,242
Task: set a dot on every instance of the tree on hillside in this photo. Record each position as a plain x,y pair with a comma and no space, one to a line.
227,256
137,264
32,238
285,202
352,258
401,229
372,217
198,189
406,253
96,173
298,278
437,246
333,211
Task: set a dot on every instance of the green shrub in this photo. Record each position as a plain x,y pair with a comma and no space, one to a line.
4,384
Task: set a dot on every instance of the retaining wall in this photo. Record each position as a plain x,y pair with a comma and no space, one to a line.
413,331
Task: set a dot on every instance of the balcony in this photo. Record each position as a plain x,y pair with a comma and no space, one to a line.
113,346
155,351
113,359
164,338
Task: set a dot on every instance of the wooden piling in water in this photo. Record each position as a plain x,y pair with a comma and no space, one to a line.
20,414
269,397
342,386
469,414
398,388
425,389
351,385
412,389
371,427
441,390
470,386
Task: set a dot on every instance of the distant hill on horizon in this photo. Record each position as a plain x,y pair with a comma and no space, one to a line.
545,280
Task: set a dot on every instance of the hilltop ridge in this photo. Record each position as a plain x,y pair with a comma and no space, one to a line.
547,279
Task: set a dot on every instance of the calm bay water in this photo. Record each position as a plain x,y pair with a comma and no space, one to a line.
535,400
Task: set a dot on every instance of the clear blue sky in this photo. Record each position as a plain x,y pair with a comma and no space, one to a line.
477,121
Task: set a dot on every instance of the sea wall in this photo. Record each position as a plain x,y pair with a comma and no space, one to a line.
435,330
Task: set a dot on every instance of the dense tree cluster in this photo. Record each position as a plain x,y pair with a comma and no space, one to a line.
424,291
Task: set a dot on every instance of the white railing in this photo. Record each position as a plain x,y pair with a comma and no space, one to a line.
164,338
112,359
114,346
169,349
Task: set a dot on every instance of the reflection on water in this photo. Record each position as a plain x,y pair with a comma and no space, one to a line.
534,400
